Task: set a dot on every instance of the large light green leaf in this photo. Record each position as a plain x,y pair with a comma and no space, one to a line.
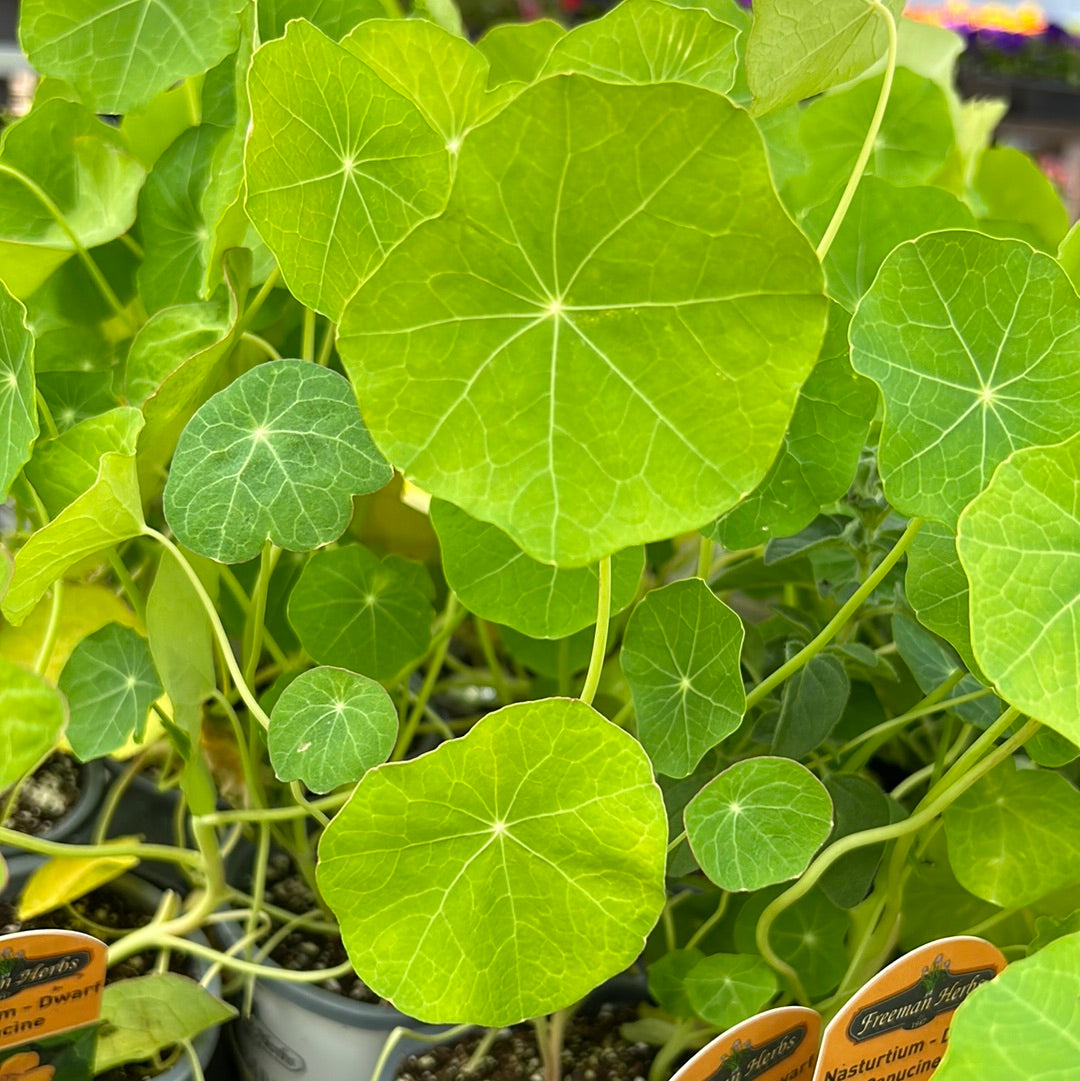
470,892
681,658
916,137
335,18
759,822
339,166
1014,836
819,454
517,51
119,53
798,48
170,217
64,467
442,74
646,41
881,216
88,178
495,579
18,410
151,1013
106,514
1019,544
353,610
329,727
726,988
937,588
975,344
277,455
1019,200
110,683
1024,1024
577,290
34,718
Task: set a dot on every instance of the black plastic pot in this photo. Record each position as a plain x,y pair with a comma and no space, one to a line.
77,825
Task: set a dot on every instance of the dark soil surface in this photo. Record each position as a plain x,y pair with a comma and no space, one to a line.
592,1051
305,950
46,797
106,913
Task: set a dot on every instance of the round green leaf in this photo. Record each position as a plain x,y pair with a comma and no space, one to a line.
798,48
118,55
667,980
110,684
495,579
34,717
1023,1024
1014,836
579,289
974,343
819,454
354,610
759,822
644,41
339,166
545,821
329,727
811,705
1018,543
18,410
727,988
681,659
278,454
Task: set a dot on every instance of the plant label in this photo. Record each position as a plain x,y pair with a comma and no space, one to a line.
897,1025
51,985
777,1045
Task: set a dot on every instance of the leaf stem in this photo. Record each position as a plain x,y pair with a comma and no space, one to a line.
326,346
260,343
256,616
487,647
84,256
871,135
307,347
215,622
948,791
127,584
52,628
833,627
711,922
704,559
261,297
600,638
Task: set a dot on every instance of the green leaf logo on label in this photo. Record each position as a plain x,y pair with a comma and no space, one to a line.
277,455
601,340
546,820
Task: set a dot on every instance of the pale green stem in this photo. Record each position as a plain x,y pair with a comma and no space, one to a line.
836,624
92,268
481,1050
672,1047
308,337
261,297
46,414
52,628
935,803
704,562
710,923
127,584
871,134
244,601
260,343
251,968
487,647
326,346
219,631
193,1061
600,638
256,617
313,812
399,1033
273,814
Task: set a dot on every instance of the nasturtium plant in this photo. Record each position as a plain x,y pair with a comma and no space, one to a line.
457,459
276,456
561,847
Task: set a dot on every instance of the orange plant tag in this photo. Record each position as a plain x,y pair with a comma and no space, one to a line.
51,983
897,1025
777,1045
